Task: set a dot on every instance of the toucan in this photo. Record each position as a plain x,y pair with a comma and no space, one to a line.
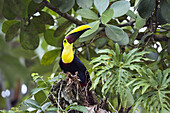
69,62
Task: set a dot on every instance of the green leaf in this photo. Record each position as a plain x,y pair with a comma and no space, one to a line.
85,3
101,42
131,14
62,28
46,18
114,33
51,40
140,22
32,103
6,24
12,31
49,57
29,40
125,40
19,7
165,10
36,90
146,7
33,7
107,16
89,37
87,13
120,8
94,27
63,5
38,1
101,5
8,10
79,108
40,96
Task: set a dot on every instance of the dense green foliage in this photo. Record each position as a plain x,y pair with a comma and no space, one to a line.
133,76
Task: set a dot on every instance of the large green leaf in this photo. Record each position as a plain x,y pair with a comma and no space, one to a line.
49,57
46,18
63,5
94,27
165,10
146,7
85,3
101,42
8,10
19,7
114,33
120,8
33,7
6,24
107,16
31,103
101,5
140,22
125,40
12,31
40,97
51,39
29,40
87,13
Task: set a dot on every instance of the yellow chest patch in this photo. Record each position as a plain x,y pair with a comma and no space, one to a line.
67,54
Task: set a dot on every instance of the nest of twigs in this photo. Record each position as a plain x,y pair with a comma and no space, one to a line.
68,91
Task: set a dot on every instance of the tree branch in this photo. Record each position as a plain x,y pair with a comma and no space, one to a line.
65,15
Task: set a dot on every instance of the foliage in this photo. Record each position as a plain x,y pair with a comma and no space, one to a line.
154,89
34,30
114,69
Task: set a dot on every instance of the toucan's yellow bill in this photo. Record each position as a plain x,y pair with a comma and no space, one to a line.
73,35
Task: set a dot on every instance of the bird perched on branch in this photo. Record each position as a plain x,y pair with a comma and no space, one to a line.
69,62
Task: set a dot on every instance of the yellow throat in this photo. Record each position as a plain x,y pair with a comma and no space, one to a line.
67,53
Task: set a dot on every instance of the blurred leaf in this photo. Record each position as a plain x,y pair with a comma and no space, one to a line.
101,42
56,65
8,10
36,90
101,5
46,18
20,52
6,24
140,22
168,46
49,57
63,5
125,40
31,103
114,33
45,106
85,3
33,7
107,16
87,38
62,28
146,7
38,1
19,7
12,69
131,14
29,40
12,31
51,40
87,13
79,108
4,48
165,10
94,27
152,55
161,20
120,8
40,96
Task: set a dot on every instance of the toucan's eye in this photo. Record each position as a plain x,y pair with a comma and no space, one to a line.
64,41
